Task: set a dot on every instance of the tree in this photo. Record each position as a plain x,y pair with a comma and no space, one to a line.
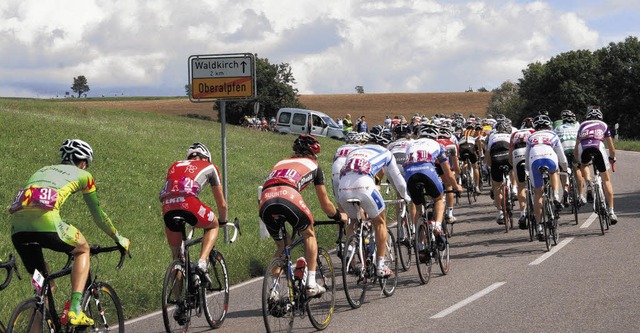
360,89
506,100
80,85
187,89
274,91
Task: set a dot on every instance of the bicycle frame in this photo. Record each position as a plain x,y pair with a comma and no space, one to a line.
600,201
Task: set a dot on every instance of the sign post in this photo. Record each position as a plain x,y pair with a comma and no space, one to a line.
222,78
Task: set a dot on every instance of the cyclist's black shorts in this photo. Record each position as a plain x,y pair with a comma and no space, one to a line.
272,211
30,244
420,184
470,149
498,158
522,176
598,159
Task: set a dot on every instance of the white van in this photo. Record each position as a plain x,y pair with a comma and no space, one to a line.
302,121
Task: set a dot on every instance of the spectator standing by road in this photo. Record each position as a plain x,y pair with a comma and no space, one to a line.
347,124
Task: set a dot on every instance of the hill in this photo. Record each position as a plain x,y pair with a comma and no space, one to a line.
373,106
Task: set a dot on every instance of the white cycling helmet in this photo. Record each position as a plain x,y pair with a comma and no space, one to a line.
198,148
76,150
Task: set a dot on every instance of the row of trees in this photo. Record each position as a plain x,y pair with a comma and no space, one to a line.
608,77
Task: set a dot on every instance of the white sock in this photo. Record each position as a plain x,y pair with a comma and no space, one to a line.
311,279
380,262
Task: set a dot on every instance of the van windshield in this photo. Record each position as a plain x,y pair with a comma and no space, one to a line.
330,122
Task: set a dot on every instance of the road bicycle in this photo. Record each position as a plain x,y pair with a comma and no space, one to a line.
507,200
468,179
359,262
405,234
599,200
10,267
573,195
549,220
429,246
187,292
99,302
283,291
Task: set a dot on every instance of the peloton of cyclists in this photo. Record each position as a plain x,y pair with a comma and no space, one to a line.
496,157
517,148
568,133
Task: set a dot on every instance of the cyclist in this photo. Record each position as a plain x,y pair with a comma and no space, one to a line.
544,149
179,196
450,144
37,224
469,145
498,155
398,148
420,173
568,132
517,149
357,181
593,135
281,197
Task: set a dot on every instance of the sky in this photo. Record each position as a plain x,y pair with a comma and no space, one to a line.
141,48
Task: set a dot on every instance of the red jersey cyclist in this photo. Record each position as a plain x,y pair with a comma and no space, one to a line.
281,198
179,196
37,224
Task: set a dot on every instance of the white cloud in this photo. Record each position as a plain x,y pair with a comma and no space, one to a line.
332,46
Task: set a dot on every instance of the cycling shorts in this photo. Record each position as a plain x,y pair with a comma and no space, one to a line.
280,204
422,179
600,157
470,150
498,159
521,175
363,188
30,244
194,211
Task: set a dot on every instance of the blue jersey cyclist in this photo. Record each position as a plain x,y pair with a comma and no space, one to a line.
36,222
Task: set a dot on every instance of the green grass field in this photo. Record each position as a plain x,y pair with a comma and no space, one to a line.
132,153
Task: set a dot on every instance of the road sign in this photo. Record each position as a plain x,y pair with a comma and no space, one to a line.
222,77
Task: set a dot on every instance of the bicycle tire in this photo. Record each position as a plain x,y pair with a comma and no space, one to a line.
423,246
405,243
320,309
449,228
444,259
505,210
277,311
470,188
354,270
173,305
573,195
600,210
101,303
389,284
605,213
216,295
546,222
27,314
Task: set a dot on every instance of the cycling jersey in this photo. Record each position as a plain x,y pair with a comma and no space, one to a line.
399,150
179,196
339,160
420,171
518,147
591,136
451,147
281,194
568,133
357,179
543,149
35,213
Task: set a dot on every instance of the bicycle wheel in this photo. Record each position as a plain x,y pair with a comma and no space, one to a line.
504,190
101,303
573,195
354,269
389,284
216,295
443,257
424,260
27,317
175,314
546,222
405,243
600,210
320,308
277,310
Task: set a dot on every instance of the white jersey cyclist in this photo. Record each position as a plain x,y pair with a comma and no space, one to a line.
339,159
518,147
357,180
399,150
568,132
544,149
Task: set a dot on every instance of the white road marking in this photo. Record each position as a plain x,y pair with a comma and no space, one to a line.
466,301
550,253
590,220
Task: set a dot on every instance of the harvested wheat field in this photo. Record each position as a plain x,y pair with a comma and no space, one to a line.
373,106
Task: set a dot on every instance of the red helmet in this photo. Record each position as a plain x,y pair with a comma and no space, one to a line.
306,144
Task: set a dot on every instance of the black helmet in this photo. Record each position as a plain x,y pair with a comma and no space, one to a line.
376,130
594,113
568,116
541,121
527,123
503,127
378,139
401,130
305,145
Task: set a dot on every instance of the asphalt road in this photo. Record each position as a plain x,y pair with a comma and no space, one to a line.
498,282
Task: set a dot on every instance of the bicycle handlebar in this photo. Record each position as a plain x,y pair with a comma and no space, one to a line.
99,249
236,230
10,267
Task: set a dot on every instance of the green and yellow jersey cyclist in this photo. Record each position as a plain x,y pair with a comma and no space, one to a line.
36,222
